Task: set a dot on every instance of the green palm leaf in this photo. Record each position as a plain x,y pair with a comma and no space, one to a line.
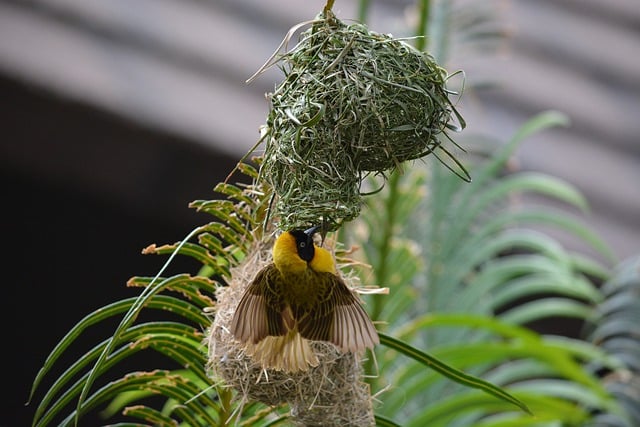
479,256
450,372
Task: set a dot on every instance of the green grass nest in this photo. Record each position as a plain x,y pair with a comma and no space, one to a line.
353,102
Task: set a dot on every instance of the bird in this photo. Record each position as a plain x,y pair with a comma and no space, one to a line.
297,298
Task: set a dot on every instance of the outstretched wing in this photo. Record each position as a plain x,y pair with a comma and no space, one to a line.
338,317
261,308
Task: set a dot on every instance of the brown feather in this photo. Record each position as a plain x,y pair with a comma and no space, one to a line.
259,312
338,317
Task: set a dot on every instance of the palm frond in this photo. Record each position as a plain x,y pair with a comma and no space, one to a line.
474,274
188,389
614,328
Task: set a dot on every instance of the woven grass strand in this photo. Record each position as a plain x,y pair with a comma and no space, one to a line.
353,102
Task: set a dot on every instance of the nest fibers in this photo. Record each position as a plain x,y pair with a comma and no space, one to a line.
353,102
330,394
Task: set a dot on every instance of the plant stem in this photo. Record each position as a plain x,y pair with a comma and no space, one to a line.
421,31
382,269
363,10
328,7
380,264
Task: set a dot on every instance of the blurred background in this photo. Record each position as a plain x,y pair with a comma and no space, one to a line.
116,114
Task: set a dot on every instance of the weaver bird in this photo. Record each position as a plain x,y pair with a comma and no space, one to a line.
296,298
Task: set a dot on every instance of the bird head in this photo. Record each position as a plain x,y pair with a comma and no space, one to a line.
294,250
304,242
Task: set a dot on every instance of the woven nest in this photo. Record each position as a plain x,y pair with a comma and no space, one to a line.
331,394
353,102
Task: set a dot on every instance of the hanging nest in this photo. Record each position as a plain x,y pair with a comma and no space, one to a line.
330,394
353,102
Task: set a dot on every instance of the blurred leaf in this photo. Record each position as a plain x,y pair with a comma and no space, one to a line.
450,372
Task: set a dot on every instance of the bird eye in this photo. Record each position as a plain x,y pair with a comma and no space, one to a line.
303,244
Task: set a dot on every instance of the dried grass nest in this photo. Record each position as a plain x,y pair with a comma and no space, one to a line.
331,394
353,102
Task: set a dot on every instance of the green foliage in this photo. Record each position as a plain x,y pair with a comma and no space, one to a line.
191,394
614,328
468,274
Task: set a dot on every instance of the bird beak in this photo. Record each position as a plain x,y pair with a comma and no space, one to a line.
311,231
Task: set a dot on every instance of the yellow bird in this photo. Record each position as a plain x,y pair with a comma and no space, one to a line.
296,298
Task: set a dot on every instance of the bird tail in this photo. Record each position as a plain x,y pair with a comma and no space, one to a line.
288,353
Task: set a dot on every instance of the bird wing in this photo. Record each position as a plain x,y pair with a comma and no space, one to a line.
338,317
261,310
